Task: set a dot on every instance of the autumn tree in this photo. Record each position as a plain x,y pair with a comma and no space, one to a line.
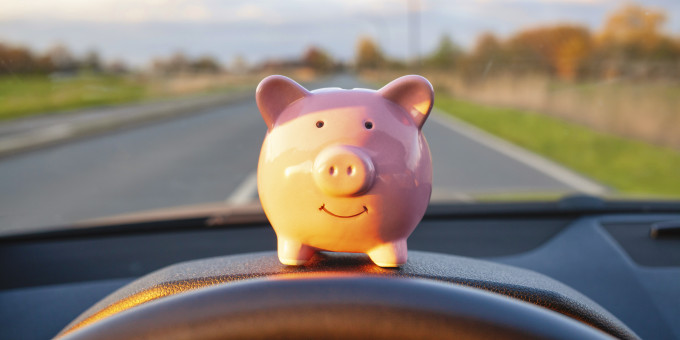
634,30
15,59
368,54
558,50
632,42
21,60
572,53
317,59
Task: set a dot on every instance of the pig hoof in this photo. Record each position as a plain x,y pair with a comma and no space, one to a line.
292,262
293,253
389,255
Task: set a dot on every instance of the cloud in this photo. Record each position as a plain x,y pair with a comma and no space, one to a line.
252,12
546,2
105,10
267,11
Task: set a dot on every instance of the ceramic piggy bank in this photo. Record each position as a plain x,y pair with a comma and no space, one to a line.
344,170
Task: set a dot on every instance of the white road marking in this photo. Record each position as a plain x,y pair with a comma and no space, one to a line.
520,154
44,135
449,194
246,192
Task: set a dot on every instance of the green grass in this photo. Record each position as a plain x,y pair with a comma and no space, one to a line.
633,168
22,96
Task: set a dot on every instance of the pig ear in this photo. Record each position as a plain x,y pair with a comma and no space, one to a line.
274,94
413,93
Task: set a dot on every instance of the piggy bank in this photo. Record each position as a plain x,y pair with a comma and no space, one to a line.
344,170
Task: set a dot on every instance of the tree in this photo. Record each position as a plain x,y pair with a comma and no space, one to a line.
572,54
446,56
317,59
368,54
177,63
117,66
486,52
487,46
15,59
557,50
91,61
61,58
206,64
635,28
632,43
239,65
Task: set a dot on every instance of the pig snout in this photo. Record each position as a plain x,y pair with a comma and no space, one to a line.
343,171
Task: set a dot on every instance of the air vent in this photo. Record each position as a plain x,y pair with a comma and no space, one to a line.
665,229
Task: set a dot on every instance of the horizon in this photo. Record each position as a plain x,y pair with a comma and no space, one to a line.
137,32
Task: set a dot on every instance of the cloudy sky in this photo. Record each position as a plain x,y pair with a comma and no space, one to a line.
137,30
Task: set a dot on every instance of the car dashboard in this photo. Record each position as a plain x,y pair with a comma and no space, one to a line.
603,251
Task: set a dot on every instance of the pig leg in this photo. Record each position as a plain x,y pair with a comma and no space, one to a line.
393,254
293,253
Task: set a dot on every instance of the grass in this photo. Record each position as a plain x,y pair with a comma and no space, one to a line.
633,168
643,109
22,96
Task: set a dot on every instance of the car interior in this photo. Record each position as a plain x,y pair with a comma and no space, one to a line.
605,267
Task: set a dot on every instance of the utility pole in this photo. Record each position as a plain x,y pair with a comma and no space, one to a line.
414,32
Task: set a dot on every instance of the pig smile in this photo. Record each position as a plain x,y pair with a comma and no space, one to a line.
323,208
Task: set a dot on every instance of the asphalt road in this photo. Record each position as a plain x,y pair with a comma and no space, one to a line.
212,156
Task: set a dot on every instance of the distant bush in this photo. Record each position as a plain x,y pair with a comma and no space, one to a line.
19,60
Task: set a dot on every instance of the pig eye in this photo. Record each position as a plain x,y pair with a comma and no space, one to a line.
368,125
319,124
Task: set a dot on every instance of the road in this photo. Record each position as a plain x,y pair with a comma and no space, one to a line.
212,156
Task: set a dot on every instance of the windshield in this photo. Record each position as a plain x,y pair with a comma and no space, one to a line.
116,107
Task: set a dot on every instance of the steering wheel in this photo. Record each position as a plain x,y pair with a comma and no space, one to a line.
336,305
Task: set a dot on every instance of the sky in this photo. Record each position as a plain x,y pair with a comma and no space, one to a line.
138,30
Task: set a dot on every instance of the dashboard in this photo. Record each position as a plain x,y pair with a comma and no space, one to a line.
607,257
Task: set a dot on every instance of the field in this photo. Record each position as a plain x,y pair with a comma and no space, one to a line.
646,110
27,95
31,95
631,167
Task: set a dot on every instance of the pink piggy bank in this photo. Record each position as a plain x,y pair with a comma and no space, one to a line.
344,170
